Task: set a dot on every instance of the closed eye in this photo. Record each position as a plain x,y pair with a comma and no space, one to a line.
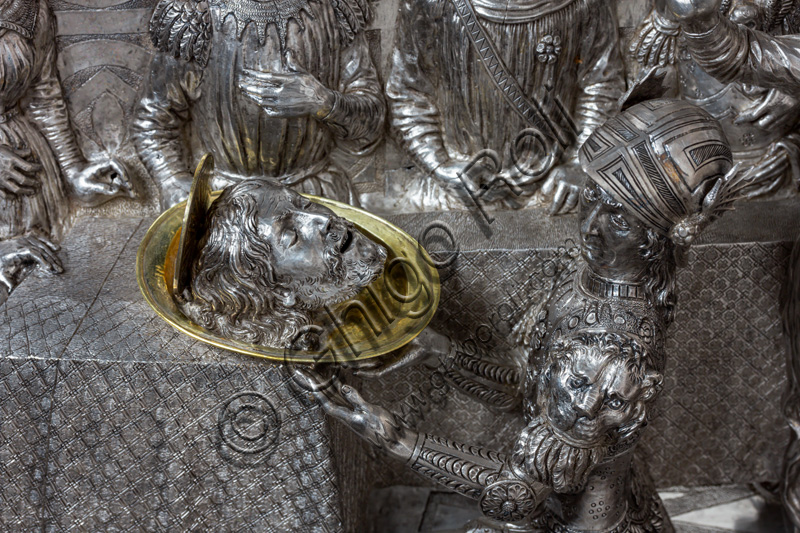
289,237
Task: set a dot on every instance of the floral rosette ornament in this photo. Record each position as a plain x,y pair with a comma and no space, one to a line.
508,500
548,49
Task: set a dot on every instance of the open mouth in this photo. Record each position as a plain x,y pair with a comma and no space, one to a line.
347,240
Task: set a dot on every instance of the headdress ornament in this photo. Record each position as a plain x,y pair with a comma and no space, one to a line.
668,162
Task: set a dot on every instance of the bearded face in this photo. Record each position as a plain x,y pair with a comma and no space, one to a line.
270,259
318,257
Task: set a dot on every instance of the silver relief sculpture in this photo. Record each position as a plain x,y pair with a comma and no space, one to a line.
732,52
657,175
41,166
270,89
760,121
492,99
268,260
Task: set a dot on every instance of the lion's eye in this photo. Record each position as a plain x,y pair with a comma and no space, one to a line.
619,222
577,382
616,403
589,195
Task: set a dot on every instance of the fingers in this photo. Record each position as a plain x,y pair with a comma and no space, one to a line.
290,62
260,76
410,354
353,397
42,253
550,182
374,372
50,244
325,394
18,184
754,113
560,197
120,178
6,285
14,159
766,121
25,166
572,199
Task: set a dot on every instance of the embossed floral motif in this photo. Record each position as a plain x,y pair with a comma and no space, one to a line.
540,330
508,501
548,49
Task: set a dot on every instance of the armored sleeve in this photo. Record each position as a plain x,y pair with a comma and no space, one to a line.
475,374
480,474
730,52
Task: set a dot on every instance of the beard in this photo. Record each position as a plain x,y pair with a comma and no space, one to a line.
545,457
346,273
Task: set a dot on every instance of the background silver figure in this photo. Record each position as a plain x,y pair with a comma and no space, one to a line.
38,147
734,52
445,107
269,92
595,347
760,122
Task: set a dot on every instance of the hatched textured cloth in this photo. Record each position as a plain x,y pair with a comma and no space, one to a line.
19,16
659,159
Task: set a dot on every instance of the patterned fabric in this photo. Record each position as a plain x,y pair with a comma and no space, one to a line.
657,175
19,16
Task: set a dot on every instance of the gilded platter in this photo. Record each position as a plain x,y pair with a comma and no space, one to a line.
383,317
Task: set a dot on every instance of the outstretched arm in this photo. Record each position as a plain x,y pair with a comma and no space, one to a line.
731,52
463,365
468,470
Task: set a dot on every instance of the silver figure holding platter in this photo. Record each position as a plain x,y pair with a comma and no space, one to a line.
760,120
658,174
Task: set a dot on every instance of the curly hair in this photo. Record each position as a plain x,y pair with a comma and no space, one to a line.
234,291
659,252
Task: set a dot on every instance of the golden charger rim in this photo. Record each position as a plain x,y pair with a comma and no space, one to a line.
399,244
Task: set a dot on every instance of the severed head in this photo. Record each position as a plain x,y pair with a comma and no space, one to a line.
270,259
